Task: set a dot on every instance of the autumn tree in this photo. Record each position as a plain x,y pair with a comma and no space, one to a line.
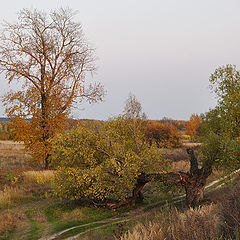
193,126
106,165
48,56
113,165
221,132
225,83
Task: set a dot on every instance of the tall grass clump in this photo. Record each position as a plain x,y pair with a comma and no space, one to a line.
11,195
193,224
230,214
210,222
40,177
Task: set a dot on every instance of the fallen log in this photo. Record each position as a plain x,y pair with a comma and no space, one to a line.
193,181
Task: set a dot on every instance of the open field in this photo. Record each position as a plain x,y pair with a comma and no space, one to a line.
12,155
28,210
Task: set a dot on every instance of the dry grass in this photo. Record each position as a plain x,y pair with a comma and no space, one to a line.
175,154
9,221
17,185
210,222
178,158
11,145
11,195
181,166
230,213
28,185
189,144
13,155
194,224
40,177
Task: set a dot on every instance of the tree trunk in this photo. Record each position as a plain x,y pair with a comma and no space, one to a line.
193,181
195,190
45,127
140,196
46,162
137,193
196,182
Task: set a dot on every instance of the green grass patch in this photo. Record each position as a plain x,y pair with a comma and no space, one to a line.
33,233
54,215
109,228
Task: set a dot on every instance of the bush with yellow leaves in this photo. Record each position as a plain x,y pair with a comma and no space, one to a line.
105,164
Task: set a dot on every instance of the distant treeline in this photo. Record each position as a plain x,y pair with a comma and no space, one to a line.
90,123
2,119
179,124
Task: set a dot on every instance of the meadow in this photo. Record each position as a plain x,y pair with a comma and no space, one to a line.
125,178
29,209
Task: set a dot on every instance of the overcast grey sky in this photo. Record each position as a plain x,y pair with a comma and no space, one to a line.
163,51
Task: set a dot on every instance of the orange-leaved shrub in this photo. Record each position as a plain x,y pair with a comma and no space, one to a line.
164,135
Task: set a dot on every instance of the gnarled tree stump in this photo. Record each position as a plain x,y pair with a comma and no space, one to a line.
193,181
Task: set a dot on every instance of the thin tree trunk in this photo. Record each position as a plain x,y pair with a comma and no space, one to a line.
45,128
46,162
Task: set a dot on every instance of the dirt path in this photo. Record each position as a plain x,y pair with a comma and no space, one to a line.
95,228
132,214
108,220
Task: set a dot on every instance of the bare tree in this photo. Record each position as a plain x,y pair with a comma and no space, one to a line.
49,56
133,108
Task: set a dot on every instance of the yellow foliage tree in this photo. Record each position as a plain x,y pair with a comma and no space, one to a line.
105,165
49,57
109,163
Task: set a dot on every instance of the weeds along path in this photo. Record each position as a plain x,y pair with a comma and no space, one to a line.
132,214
